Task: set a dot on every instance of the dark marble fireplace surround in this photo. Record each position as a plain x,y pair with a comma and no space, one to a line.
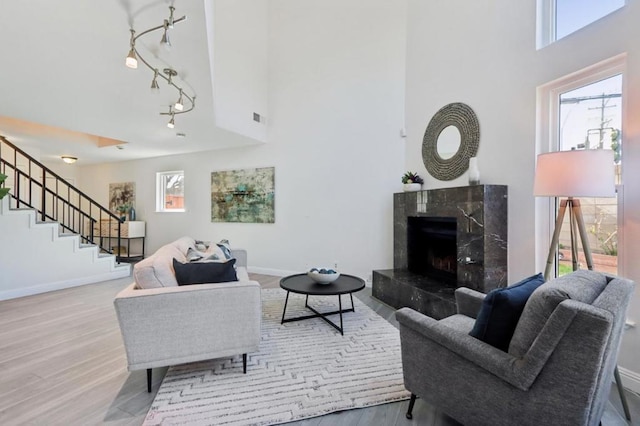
479,214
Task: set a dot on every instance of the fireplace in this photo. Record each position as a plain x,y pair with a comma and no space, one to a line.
444,239
432,247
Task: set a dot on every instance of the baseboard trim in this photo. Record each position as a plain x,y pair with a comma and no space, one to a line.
630,379
60,285
271,271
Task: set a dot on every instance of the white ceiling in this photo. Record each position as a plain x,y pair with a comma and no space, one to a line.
62,65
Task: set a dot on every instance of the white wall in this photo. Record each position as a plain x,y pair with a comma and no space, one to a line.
484,54
238,41
336,83
69,172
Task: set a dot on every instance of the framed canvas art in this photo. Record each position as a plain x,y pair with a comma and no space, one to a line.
120,194
246,195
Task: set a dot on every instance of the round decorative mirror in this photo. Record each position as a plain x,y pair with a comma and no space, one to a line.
451,138
448,142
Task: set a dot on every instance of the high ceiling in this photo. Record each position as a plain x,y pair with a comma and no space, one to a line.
64,88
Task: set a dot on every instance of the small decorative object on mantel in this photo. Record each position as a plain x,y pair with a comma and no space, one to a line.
474,172
412,182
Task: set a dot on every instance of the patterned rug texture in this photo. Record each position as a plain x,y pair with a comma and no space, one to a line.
303,369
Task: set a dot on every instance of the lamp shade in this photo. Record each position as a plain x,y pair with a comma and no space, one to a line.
577,173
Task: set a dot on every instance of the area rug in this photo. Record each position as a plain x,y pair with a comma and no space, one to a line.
303,369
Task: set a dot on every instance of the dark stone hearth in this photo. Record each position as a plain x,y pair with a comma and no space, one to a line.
480,214
400,288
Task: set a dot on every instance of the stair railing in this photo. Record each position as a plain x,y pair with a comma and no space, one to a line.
34,186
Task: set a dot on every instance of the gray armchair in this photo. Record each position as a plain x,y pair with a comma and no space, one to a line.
558,369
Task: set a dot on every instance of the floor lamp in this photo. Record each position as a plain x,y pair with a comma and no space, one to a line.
572,174
577,173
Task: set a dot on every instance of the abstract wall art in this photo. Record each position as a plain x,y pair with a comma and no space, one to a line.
121,193
246,195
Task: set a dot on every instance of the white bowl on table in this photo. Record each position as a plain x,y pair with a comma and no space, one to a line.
323,278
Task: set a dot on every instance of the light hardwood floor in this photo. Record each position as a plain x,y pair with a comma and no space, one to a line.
62,362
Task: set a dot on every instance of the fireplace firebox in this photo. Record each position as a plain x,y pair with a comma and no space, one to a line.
432,247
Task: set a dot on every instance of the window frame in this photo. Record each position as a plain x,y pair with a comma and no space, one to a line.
548,140
161,178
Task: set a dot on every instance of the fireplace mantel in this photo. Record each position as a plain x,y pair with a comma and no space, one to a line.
481,214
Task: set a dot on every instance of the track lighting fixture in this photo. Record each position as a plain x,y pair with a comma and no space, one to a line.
170,22
179,105
154,83
164,41
131,60
168,74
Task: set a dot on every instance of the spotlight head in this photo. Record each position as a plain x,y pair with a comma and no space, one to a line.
164,41
131,61
171,124
154,83
179,106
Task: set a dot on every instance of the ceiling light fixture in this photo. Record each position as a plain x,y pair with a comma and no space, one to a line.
171,21
131,60
171,124
171,74
164,41
69,159
154,83
179,106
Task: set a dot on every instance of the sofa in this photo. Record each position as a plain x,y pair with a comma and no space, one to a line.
558,367
163,323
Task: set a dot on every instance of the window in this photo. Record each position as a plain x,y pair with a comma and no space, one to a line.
170,191
560,18
571,15
590,117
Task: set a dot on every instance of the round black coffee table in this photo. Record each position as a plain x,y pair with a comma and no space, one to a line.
302,284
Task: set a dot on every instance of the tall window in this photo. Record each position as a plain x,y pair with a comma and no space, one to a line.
560,18
170,191
571,15
590,117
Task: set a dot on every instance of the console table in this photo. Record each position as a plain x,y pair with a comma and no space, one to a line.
129,230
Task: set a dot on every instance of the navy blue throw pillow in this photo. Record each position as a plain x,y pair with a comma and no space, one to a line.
204,272
501,310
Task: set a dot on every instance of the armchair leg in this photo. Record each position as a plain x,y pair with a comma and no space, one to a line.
244,363
623,397
411,402
149,380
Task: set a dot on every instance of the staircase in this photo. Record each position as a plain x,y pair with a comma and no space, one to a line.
48,233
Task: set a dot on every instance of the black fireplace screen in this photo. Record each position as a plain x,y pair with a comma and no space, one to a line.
432,247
